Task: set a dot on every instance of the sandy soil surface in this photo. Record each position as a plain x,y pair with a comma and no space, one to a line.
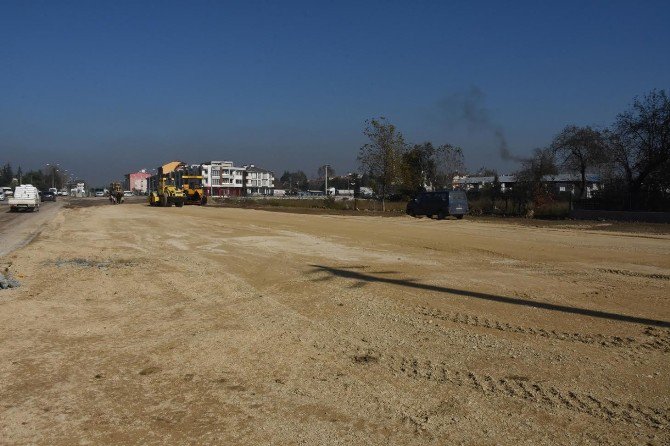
138,325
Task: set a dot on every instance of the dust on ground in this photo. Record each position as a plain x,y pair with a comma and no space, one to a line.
198,325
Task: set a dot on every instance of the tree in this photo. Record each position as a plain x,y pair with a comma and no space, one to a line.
418,167
449,162
6,175
639,142
530,185
37,179
380,158
294,181
496,189
579,149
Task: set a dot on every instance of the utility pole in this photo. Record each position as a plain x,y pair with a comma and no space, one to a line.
326,166
352,183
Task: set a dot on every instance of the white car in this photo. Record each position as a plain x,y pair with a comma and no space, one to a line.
2,195
99,193
127,193
7,190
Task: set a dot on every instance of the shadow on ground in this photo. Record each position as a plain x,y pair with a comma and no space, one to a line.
364,278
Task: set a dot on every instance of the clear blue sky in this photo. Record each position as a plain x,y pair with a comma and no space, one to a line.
108,87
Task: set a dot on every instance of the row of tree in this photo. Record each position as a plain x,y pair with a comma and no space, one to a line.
632,158
395,167
42,178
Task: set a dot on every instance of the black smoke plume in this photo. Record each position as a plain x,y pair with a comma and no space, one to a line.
469,107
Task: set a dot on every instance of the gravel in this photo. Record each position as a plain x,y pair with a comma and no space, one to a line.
7,282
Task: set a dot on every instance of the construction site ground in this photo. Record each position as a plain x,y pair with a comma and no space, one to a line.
210,325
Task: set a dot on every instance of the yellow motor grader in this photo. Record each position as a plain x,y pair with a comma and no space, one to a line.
190,179
115,193
165,190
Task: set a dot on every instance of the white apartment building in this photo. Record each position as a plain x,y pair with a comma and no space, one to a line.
258,181
223,179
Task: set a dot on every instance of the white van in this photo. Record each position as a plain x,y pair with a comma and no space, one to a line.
25,197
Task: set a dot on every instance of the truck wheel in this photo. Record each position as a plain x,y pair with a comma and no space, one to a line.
441,215
179,203
460,217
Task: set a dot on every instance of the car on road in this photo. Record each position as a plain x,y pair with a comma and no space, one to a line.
47,195
99,193
2,195
440,204
127,193
7,191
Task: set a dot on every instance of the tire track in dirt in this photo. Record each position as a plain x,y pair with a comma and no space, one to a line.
623,272
524,389
660,339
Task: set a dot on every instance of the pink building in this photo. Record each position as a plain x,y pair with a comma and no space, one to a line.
137,182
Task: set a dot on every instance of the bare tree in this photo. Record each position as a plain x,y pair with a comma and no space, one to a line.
579,149
449,162
530,185
380,158
639,142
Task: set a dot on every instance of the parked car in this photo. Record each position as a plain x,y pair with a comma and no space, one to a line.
127,193
47,195
2,195
440,204
99,193
8,191
25,197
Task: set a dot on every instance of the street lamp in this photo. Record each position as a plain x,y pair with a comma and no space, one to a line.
53,173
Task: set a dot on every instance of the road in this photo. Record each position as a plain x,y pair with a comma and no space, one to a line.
141,325
18,228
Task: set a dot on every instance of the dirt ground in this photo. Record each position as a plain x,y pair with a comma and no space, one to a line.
141,325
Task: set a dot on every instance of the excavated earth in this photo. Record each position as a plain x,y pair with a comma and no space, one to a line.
142,325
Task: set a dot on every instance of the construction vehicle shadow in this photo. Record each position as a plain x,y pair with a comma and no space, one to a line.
363,278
